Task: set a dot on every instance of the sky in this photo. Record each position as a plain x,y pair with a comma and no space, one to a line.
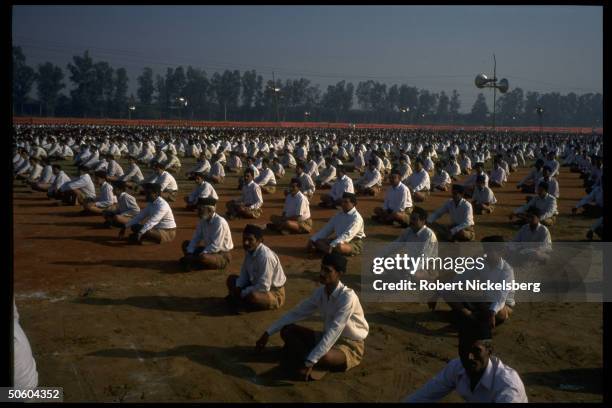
439,48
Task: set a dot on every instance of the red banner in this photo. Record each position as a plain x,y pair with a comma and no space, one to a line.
328,125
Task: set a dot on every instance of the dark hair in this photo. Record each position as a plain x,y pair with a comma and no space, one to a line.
458,188
56,166
335,260
254,230
493,238
100,174
153,187
533,210
250,171
352,197
543,185
295,180
120,184
420,212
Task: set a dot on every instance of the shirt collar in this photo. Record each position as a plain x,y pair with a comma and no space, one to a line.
337,291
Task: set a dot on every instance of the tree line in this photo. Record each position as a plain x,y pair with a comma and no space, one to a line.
99,90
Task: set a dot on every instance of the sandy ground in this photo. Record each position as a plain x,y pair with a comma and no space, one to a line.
111,322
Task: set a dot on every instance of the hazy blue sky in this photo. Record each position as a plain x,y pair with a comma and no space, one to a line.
540,48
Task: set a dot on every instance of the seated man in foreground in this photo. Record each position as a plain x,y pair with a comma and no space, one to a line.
461,215
214,233
296,213
249,206
261,284
155,223
346,225
340,346
476,375
398,203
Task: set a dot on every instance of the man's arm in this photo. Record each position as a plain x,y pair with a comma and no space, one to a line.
349,233
438,387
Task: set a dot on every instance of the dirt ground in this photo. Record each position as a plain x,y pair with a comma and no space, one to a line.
112,322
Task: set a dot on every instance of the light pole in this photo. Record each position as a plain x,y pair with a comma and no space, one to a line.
276,91
540,111
306,116
482,81
183,104
404,110
130,109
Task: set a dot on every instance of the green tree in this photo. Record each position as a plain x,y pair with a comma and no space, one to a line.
84,77
23,79
120,100
49,84
146,87
454,106
442,112
480,110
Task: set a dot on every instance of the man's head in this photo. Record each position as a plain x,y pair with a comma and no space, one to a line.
418,164
56,168
110,157
158,168
493,248
198,177
265,163
294,185
534,214
395,178
480,181
119,186
252,236
418,218
475,347
539,164
249,175
152,191
546,170
206,207
349,201
299,169
457,192
332,267
100,176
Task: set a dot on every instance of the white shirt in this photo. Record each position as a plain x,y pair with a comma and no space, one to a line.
158,215
203,190
547,206
84,183
251,195
266,177
370,178
114,169
217,170
61,179
133,174
539,234
484,196
215,234
166,182
107,198
297,205
397,198
471,180
307,186
261,270
425,235
439,179
419,181
596,196
342,185
345,226
127,205
25,375
47,175
499,175
342,315
499,383
461,215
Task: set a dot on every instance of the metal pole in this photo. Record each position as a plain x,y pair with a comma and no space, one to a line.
494,89
275,96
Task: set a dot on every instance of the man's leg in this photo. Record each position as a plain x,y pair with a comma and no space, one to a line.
322,245
548,222
270,300
299,341
418,196
465,235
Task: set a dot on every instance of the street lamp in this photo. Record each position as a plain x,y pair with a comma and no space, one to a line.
183,102
306,116
540,111
130,109
482,81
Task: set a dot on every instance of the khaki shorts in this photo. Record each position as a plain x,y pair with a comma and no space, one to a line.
276,298
306,225
469,232
223,259
353,350
549,222
169,195
356,246
167,235
269,189
255,213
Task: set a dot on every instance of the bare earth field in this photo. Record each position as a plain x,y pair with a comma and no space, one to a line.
112,322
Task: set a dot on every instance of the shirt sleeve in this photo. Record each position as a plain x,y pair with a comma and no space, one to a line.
349,233
215,245
333,332
438,387
195,238
465,214
303,310
259,199
438,213
501,295
139,217
155,218
266,267
551,209
524,207
325,231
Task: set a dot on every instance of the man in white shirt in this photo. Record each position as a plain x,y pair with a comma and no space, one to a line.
346,226
370,183
483,199
419,182
126,207
441,181
201,166
295,218
419,232
113,170
133,177
106,200
79,191
592,203
397,205
203,189
266,179
532,232
498,174
261,284
277,168
234,164
251,202
461,215
155,223
470,183
214,233
476,375
343,184
167,182
172,163
546,203
216,175
25,375
59,179
529,183
341,345
44,180
307,186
